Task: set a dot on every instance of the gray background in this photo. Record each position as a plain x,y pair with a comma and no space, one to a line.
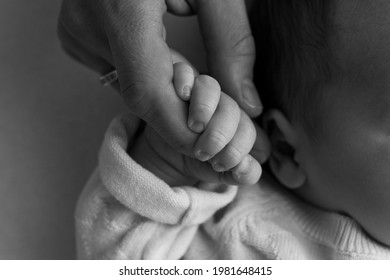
53,114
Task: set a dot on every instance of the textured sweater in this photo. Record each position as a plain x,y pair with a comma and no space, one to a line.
125,212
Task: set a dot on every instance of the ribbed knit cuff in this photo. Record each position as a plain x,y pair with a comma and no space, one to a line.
143,192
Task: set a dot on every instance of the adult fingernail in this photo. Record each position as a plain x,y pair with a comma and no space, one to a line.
202,156
250,95
196,126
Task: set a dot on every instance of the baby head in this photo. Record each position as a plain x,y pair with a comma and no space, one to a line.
324,75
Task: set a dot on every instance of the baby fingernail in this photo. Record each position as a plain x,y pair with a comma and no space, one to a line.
218,167
202,156
186,92
250,95
197,127
244,167
237,176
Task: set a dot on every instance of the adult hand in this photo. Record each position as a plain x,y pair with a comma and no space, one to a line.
129,35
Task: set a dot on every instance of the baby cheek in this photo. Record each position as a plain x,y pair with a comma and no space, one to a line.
354,167
351,174
368,177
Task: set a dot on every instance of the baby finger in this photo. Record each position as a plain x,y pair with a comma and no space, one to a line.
238,147
204,101
220,130
248,171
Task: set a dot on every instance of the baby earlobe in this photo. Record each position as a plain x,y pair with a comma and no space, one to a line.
287,172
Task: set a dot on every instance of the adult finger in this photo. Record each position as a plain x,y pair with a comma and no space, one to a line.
183,80
78,51
130,35
145,69
83,20
230,49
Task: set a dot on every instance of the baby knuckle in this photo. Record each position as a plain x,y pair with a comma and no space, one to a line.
249,128
218,139
204,109
232,156
209,82
232,107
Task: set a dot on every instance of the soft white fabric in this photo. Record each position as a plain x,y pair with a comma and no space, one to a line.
125,212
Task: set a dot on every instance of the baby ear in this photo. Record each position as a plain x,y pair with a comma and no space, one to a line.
283,139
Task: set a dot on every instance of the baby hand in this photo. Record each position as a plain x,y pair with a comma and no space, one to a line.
227,134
